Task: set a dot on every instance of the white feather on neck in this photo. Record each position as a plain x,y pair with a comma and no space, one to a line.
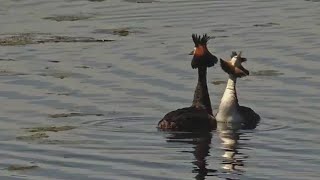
228,109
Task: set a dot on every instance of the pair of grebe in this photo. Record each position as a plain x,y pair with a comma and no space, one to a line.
199,116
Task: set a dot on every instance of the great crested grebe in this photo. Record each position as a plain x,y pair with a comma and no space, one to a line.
199,115
229,109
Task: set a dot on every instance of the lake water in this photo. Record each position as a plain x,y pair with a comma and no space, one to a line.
77,106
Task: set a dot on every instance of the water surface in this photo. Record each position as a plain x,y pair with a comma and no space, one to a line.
93,104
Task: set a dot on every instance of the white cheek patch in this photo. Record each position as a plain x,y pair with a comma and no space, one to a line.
233,60
194,50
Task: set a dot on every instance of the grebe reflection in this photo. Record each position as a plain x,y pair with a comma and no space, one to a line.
201,149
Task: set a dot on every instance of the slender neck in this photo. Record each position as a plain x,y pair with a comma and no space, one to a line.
201,94
231,85
229,98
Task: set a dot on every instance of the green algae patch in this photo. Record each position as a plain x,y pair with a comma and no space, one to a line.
50,129
40,38
72,115
10,73
266,24
59,94
21,167
267,73
33,137
59,75
60,18
83,67
218,82
121,32
124,31
70,39
2,59
16,40
60,142
141,1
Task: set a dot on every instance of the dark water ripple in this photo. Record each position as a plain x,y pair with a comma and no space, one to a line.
133,81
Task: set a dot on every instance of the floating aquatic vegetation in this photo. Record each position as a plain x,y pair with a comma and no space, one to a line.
83,67
50,128
39,133
59,94
313,0
72,115
141,1
21,167
39,38
125,31
218,82
57,39
121,32
218,30
266,73
1,59
22,39
54,61
222,36
60,18
59,75
32,137
10,73
266,24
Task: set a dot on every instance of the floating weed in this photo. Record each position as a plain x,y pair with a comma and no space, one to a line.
59,75
10,73
267,73
57,39
266,24
313,0
50,128
218,30
60,18
16,40
125,31
72,115
33,137
1,59
59,94
21,167
141,1
54,61
39,38
83,67
121,32
218,82
56,141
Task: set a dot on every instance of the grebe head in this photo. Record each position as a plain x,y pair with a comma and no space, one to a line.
234,66
201,55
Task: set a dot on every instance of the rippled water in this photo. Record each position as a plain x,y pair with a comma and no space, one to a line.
104,98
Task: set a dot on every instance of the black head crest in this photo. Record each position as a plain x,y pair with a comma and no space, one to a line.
198,40
233,54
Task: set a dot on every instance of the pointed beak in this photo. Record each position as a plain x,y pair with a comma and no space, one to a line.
246,72
243,59
191,53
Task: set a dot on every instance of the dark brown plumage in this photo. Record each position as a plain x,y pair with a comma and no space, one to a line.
251,118
199,116
188,119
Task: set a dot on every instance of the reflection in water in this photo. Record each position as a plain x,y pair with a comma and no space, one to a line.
229,133
233,160
201,142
